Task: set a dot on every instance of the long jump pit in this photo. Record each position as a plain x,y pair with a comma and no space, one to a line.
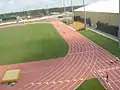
11,77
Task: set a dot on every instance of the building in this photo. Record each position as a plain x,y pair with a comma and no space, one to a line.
106,11
55,13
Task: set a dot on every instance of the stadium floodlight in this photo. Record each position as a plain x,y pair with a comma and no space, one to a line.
84,13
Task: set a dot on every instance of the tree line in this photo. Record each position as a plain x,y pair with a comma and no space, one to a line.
37,12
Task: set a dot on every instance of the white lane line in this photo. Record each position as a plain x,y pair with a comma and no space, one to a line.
117,67
53,82
79,72
60,73
39,83
118,80
103,70
99,70
67,81
81,79
46,83
105,78
32,84
99,80
71,70
101,74
74,80
89,72
60,81
37,79
94,71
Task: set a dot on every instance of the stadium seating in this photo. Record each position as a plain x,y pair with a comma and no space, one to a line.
11,76
78,26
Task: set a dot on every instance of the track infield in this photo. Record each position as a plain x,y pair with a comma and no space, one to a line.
91,84
30,42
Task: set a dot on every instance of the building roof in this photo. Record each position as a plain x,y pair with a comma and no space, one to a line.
109,6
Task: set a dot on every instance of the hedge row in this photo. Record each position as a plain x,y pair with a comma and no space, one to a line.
110,29
9,18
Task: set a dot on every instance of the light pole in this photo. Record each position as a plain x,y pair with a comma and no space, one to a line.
72,14
64,6
47,10
84,13
72,5
119,27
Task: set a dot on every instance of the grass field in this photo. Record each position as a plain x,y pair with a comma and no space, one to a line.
30,43
106,43
92,84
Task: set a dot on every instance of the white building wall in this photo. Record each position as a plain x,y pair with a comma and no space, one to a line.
110,18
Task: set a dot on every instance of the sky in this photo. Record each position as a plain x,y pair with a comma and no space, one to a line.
22,5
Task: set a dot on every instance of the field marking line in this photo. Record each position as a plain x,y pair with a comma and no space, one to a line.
58,73
91,69
72,68
81,69
98,79
102,66
36,80
112,68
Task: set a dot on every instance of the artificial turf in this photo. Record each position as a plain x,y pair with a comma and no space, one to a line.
106,43
31,42
91,84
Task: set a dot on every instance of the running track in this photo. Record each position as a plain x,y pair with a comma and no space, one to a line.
84,60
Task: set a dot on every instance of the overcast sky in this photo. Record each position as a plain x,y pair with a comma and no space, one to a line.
20,5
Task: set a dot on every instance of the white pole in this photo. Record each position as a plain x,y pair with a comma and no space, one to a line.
72,5
84,13
72,14
28,13
47,10
64,5
119,26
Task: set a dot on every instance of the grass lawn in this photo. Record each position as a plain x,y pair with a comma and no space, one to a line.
30,43
91,84
106,43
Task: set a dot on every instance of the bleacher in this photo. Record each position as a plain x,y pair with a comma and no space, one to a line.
78,26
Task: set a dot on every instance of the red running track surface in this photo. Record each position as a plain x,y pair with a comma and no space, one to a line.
84,60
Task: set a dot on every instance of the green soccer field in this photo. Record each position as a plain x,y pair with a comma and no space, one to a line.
31,42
